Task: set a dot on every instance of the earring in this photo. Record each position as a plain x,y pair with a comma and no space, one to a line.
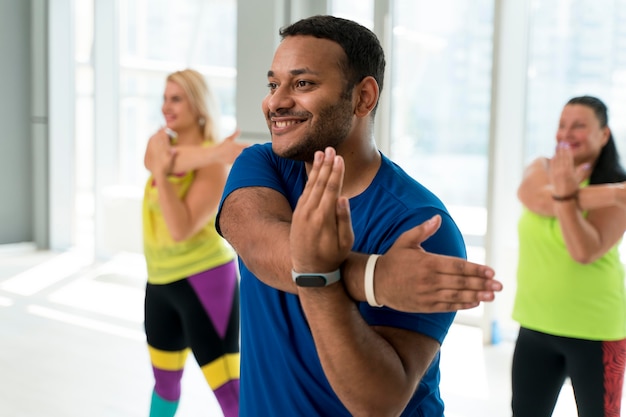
201,121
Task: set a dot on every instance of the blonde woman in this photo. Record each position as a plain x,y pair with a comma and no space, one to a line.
192,293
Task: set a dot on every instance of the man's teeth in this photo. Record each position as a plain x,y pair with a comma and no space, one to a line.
286,123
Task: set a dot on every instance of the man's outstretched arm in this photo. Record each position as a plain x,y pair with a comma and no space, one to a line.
256,221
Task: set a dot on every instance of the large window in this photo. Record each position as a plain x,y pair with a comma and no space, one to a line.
154,39
440,106
439,80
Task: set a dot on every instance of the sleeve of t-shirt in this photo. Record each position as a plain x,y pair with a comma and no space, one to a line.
254,167
446,241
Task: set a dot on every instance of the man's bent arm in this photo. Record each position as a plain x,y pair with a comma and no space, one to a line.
385,363
256,222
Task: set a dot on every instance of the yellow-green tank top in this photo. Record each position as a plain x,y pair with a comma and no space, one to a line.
168,260
559,296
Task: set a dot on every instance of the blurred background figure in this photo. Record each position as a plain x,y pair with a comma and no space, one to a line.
191,300
570,300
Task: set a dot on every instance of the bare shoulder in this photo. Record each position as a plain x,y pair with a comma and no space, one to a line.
540,164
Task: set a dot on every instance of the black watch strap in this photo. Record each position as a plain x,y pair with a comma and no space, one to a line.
315,279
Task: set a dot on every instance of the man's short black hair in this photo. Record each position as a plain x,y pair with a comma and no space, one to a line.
365,55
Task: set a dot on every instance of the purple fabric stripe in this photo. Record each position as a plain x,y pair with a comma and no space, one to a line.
215,289
228,397
167,384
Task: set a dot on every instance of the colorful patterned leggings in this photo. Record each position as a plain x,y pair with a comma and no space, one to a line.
541,362
201,314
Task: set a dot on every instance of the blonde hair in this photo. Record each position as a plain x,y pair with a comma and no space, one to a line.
201,99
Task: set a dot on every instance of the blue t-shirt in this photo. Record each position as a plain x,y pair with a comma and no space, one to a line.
281,374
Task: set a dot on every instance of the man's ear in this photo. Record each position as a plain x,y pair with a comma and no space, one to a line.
366,96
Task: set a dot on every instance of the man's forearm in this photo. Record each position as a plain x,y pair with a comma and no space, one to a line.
260,240
354,354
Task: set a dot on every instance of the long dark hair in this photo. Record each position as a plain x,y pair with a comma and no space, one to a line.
608,168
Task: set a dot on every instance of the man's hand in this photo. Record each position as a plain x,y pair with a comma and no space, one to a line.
407,278
321,235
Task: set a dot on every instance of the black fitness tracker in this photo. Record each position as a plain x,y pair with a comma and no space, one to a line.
315,279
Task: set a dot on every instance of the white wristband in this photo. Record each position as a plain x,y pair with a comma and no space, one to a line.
369,281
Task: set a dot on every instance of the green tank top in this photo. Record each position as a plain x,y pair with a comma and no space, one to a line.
559,296
168,260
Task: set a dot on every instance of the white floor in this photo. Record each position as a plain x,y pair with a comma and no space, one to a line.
72,345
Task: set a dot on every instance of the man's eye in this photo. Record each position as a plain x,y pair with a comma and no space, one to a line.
303,83
271,86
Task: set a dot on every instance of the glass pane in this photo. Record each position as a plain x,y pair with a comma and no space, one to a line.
159,37
441,95
361,11
198,32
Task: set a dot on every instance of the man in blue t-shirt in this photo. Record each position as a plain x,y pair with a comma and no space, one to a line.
309,215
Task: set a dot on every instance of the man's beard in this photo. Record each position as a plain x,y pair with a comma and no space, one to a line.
333,126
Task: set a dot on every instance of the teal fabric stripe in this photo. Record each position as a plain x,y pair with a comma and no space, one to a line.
162,408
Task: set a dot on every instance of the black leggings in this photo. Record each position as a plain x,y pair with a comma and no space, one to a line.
541,362
200,312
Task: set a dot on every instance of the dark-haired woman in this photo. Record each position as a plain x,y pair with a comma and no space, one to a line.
570,300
